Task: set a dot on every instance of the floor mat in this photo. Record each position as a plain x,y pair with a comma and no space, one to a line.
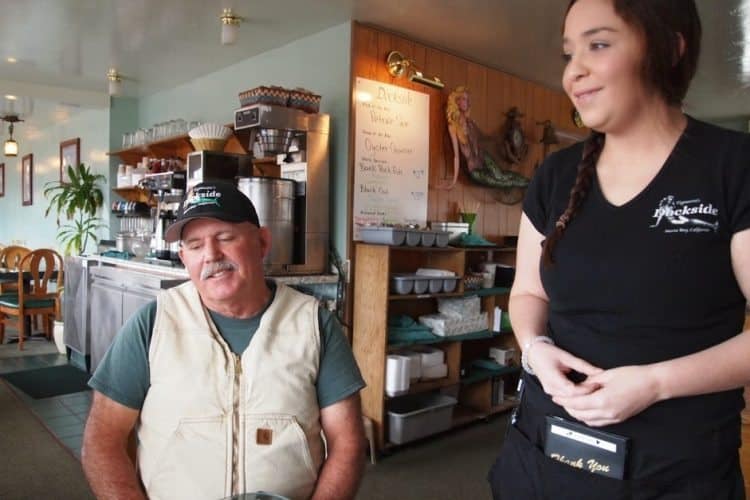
50,381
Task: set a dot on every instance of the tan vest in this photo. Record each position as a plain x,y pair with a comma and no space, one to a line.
214,424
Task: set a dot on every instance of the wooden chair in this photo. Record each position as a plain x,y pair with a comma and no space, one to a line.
37,297
10,257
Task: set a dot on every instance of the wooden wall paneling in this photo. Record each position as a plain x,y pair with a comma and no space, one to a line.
476,79
455,71
365,50
493,92
385,45
503,92
440,159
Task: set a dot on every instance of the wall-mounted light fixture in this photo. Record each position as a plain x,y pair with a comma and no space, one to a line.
398,65
114,82
10,148
230,26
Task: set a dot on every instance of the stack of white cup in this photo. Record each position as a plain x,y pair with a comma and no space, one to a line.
397,374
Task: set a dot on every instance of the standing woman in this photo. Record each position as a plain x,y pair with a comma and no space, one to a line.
633,272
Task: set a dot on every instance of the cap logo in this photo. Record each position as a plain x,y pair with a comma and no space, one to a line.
202,198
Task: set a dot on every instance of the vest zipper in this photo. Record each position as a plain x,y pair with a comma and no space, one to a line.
236,426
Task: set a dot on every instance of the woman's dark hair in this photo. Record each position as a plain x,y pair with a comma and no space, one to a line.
592,147
661,23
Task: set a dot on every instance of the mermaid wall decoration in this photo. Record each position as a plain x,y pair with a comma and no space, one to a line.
481,167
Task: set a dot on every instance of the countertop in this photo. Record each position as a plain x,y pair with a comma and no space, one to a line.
137,264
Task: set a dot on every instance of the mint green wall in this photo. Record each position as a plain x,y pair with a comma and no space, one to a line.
26,225
320,62
123,117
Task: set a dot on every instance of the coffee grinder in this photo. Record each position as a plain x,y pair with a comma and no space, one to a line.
301,140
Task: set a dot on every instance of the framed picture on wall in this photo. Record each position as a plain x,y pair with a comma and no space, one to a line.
2,180
27,180
70,154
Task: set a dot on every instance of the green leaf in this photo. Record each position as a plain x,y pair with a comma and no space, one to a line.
79,199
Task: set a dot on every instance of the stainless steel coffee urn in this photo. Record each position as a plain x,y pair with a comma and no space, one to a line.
302,138
274,201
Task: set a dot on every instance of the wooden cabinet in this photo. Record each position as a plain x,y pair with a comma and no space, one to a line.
374,304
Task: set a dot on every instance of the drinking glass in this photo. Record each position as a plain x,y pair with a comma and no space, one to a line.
470,218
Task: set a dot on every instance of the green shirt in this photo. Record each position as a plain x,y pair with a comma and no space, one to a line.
124,376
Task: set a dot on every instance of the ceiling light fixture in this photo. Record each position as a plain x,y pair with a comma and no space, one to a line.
10,148
114,86
230,26
11,60
398,64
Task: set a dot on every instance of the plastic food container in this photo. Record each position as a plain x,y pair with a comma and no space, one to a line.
436,285
428,238
402,284
442,238
421,284
382,235
413,237
419,415
453,228
450,284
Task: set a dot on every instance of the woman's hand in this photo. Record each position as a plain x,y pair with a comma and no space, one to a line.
551,365
622,392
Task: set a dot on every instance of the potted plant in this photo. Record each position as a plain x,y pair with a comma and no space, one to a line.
79,200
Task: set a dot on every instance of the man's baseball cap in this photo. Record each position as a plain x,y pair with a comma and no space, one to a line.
212,200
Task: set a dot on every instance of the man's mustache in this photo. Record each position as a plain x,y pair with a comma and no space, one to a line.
216,267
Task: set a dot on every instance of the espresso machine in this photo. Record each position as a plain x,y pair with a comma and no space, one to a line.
168,189
299,142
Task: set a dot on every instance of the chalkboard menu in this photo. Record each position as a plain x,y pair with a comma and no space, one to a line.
391,155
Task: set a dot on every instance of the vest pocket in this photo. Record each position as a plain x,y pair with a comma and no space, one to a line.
193,463
277,456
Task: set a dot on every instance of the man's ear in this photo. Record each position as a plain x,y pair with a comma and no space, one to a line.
265,240
680,49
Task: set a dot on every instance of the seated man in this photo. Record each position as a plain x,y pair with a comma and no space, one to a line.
228,378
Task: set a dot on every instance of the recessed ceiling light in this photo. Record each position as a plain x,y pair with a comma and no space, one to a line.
11,60
10,97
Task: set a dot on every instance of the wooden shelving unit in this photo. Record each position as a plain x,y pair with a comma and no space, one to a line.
178,146
374,304
135,193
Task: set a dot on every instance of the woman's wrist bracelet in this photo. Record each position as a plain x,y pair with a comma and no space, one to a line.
527,349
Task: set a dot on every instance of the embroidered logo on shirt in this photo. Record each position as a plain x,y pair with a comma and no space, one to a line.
685,216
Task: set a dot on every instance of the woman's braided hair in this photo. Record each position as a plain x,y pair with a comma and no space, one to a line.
592,148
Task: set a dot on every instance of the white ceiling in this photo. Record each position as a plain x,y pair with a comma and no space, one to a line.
63,48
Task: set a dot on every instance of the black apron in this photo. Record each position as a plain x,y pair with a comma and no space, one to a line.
523,472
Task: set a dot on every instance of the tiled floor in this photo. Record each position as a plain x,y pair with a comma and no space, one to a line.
64,415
